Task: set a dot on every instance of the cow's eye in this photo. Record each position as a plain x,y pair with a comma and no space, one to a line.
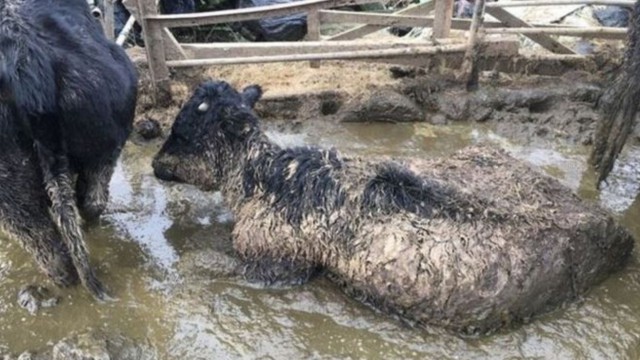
203,107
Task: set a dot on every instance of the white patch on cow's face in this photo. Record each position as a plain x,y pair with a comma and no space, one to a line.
203,107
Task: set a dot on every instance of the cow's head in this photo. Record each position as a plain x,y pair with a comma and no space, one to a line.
212,128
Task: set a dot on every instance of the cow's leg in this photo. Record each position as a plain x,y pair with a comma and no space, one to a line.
277,272
261,260
41,240
57,179
24,216
92,187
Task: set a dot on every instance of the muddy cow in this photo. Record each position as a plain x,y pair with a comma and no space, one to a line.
472,243
67,100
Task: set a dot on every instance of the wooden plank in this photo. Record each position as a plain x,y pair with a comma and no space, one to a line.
587,32
345,55
109,19
503,4
126,29
493,47
363,30
239,15
544,40
442,21
172,48
217,50
131,6
381,20
469,69
154,46
356,32
313,31
509,44
351,17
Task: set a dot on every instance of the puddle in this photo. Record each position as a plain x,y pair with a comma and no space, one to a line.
159,244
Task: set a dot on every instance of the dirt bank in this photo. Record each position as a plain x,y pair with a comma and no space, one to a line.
519,107
279,80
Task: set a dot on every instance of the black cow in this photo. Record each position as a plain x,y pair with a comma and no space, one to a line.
67,101
473,242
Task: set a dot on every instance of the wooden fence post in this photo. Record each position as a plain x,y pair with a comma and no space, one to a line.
109,19
442,19
156,56
313,30
470,69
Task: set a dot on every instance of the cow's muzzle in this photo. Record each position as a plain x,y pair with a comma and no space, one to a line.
163,169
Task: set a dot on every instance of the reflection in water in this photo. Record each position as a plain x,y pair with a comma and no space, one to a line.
164,249
141,217
620,189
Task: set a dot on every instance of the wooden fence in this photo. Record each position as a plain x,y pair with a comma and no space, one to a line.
164,51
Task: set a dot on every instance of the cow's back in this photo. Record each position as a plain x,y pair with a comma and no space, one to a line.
96,81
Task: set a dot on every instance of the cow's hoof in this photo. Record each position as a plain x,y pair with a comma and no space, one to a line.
96,289
61,272
33,298
90,212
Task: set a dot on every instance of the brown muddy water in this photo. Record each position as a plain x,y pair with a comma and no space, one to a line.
161,249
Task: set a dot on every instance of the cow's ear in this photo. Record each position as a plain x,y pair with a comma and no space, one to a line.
251,94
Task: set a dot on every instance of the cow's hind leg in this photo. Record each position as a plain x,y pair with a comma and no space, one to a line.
277,272
43,242
24,217
57,179
261,262
92,187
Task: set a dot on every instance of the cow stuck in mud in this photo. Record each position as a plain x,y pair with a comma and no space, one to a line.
473,243
67,101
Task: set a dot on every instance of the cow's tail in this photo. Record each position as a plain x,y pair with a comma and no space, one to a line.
64,211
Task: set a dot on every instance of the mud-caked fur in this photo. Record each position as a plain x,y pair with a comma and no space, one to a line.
67,100
412,245
312,199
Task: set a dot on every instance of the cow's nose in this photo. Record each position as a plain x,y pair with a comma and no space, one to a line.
163,169
163,173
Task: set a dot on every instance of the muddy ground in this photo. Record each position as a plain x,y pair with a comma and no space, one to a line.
156,245
527,108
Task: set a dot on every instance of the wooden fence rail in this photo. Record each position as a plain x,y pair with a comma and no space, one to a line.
340,55
254,13
164,51
589,32
524,3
